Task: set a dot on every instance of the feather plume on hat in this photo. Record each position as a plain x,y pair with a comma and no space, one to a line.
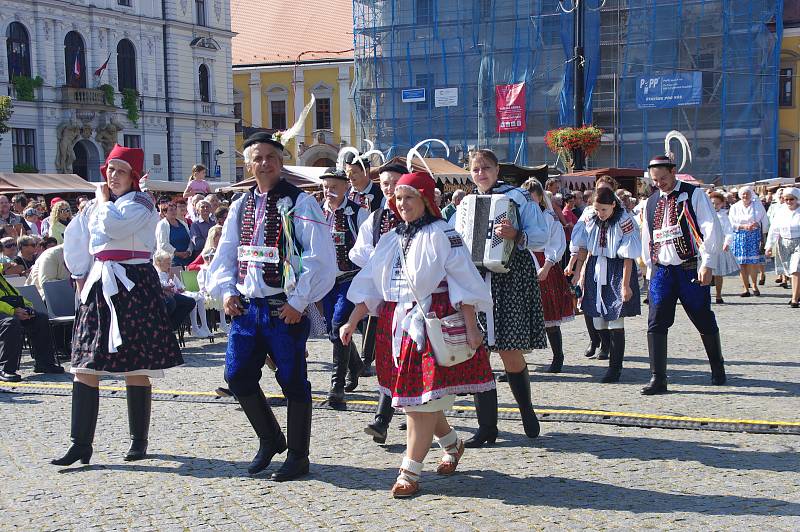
285,136
686,150
358,157
414,152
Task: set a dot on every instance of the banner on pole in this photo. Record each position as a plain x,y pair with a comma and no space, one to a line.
510,108
670,90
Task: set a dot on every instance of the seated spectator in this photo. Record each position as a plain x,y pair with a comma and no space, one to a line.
199,229
49,266
18,317
183,211
60,216
450,210
32,218
184,303
26,253
11,268
213,199
192,206
45,244
205,257
11,224
172,235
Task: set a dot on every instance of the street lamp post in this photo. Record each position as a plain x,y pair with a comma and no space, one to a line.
578,65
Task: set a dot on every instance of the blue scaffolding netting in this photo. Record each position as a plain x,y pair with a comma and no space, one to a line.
707,68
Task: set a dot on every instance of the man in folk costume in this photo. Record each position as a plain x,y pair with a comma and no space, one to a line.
379,222
344,217
273,260
362,190
681,241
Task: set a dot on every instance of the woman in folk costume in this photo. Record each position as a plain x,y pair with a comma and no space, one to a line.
597,339
121,326
613,242
423,259
778,204
785,232
746,216
556,292
516,323
726,263
380,222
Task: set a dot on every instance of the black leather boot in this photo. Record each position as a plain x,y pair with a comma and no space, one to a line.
556,344
341,358
657,347
383,416
605,344
616,356
520,384
354,367
85,404
139,405
486,409
298,431
368,347
270,436
714,352
594,338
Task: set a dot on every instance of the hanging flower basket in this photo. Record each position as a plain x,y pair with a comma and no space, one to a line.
564,140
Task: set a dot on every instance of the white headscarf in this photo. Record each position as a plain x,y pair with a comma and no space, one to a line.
792,191
742,215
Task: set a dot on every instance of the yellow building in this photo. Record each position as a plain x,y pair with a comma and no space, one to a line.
789,106
279,62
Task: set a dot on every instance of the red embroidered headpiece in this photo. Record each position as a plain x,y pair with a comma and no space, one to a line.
423,183
133,157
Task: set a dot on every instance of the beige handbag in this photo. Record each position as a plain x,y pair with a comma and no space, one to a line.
448,335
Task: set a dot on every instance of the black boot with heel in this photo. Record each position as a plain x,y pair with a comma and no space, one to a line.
85,404
486,410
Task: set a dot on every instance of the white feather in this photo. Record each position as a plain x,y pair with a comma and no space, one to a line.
349,149
289,134
414,152
687,151
370,145
372,152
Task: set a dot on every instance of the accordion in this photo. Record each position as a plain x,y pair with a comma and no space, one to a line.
476,218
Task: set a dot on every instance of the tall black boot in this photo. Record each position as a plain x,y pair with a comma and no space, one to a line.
657,347
298,431
714,352
341,358
85,404
486,409
368,347
383,416
616,356
605,344
556,344
354,367
270,436
520,384
139,405
594,338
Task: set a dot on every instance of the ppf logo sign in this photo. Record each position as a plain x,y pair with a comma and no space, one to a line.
647,84
672,90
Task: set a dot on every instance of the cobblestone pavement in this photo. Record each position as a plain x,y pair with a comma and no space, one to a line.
573,476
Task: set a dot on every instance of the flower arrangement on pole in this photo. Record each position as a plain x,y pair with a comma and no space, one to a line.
564,140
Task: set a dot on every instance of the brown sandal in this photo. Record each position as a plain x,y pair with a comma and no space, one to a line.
452,455
406,485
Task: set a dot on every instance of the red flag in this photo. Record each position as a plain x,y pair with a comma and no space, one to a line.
99,71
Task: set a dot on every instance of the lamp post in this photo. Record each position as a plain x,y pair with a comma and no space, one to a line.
578,64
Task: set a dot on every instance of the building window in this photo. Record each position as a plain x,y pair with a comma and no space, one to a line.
786,87
785,163
277,109
486,8
425,81
424,12
323,106
203,80
75,60
126,65
126,3
237,114
205,155
132,141
23,143
18,51
200,8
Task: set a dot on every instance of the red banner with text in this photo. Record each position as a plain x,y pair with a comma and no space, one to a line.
510,108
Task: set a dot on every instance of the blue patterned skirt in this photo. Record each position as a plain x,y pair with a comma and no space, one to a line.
747,247
611,292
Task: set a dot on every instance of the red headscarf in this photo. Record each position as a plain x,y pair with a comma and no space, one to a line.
423,183
133,157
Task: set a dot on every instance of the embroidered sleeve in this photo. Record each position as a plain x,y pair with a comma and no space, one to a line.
627,226
454,238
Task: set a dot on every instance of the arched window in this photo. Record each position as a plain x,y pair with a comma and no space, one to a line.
18,51
75,60
203,79
126,65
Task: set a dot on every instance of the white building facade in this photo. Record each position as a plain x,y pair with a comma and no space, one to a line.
168,66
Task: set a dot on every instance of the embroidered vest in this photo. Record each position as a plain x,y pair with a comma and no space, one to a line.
685,245
273,229
383,221
344,229
364,200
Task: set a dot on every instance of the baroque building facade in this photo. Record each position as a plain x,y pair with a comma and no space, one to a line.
164,85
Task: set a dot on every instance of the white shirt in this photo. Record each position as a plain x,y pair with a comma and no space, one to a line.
361,217
316,278
707,224
785,224
556,243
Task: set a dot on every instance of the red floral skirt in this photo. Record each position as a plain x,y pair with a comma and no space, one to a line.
418,379
556,295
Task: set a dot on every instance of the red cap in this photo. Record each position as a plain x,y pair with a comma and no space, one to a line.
134,157
423,183
55,200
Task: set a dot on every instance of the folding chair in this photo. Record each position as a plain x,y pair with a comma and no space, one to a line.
60,299
30,293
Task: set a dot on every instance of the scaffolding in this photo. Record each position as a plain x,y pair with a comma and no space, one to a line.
722,55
